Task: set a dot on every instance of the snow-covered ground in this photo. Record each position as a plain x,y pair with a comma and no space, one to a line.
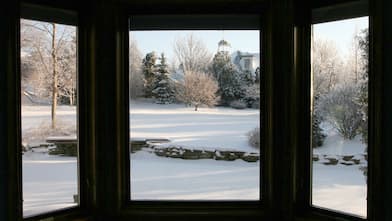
158,178
51,181
33,116
340,187
209,128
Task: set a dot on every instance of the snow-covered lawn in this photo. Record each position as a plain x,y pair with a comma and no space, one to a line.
49,182
208,128
158,178
340,187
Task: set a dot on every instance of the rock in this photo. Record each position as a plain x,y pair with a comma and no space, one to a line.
356,161
225,155
251,157
347,158
160,152
206,155
315,158
191,154
331,161
347,163
65,149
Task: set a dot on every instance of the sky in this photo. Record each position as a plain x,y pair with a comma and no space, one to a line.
162,41
341,32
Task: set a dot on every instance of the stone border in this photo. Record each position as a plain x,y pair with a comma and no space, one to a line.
195,154
347,160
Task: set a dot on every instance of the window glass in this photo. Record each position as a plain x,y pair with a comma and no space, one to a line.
49,116
340,115
194,115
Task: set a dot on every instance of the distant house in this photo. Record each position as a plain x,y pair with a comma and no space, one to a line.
246,61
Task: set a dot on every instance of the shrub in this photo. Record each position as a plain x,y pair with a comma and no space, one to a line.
254,138
342,111
238,104
198,89
252,96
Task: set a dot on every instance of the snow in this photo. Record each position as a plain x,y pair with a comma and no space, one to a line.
33,116
208,128
335,144
339,187
157,178
49,182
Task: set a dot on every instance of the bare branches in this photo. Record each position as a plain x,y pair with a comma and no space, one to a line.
191,54
198,89
52,59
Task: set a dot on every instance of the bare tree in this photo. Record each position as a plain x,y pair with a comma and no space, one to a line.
135,70
49,46
198,89
326,65
191,54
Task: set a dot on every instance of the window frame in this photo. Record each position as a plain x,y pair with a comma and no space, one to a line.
295,204
321,13
62,16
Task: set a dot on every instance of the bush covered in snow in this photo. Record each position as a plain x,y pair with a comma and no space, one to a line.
238,104
342,110
252,96
254,138
198,89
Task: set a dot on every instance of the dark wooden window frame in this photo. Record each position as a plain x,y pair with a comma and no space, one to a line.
286,43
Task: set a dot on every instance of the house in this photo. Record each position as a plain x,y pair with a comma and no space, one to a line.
246,61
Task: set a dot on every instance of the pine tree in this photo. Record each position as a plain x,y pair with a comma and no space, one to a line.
228,77
163,91
363,87
149,69
318,136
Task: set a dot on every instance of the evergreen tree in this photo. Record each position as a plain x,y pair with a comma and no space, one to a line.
228,77
257,75
363,87
163,91
149,69
318,136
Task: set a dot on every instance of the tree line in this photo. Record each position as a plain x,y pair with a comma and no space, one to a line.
195,78
340,89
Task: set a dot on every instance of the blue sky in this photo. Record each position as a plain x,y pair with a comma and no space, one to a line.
341,32
162,41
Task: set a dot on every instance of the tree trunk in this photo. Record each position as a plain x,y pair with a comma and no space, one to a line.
196,107
54,81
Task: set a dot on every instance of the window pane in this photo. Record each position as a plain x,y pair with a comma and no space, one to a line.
340,115
49,116
194,115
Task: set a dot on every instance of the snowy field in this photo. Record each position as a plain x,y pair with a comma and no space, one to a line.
221,128
51,181
340,187
208,128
